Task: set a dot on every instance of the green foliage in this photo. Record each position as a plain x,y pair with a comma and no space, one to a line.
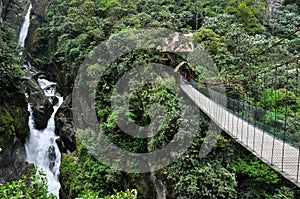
82,172
255,169
128,194
28,188
72,29
214,44
10,71
6,123
283,193
246,13
278,100
12,121
88,194
205,181
286,20
227,30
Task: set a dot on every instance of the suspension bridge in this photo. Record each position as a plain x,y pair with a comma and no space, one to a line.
280,155
269,130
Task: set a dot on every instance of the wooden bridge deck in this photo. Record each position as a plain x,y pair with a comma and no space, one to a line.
279,155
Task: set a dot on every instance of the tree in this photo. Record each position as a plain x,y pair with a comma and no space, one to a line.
246,13
28,188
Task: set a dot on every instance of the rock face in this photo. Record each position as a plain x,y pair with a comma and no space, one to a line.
38,14
13,12
13,131
42,108
1,7
64,126
13,110
39,8
12,161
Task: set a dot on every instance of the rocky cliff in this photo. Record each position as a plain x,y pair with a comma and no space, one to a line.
1,7
13,132
13,104
63,118
64,126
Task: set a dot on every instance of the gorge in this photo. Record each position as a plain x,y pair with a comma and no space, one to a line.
36,120
41,147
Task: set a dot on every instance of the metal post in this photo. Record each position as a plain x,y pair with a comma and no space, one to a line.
243,111
285,114
219,107
248,120
298,165
275,126
228,111
265,109
238,116
297,75
254,118
232,118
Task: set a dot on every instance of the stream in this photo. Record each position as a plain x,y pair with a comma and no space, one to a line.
41,147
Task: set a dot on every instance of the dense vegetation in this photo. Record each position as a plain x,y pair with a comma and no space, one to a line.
13,114
232,32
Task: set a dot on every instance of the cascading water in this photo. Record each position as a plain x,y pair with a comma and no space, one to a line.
24,29
41,148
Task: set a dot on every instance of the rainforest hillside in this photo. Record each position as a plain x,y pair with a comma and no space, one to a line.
234,35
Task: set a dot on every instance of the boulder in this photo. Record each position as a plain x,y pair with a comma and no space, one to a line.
12,160
42,108
64,126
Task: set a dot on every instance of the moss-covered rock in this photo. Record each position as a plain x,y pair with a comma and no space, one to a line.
13,132
14,122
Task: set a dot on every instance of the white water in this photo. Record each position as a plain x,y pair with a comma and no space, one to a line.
41,148
24,29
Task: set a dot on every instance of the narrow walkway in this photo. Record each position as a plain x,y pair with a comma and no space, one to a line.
279,155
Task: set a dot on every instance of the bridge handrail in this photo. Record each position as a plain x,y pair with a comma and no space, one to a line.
252,114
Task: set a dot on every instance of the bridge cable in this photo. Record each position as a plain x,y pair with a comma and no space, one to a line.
263,51
297,78
237,80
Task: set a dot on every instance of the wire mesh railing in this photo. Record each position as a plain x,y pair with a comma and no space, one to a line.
257,116
263,110
238,119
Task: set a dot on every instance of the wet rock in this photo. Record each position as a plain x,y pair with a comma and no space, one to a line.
38,14
1,7
52,157
13,12
64,126
39,8
42,108
12,161
54,100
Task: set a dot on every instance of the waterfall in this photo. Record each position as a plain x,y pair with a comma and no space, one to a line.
41,148
24,29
